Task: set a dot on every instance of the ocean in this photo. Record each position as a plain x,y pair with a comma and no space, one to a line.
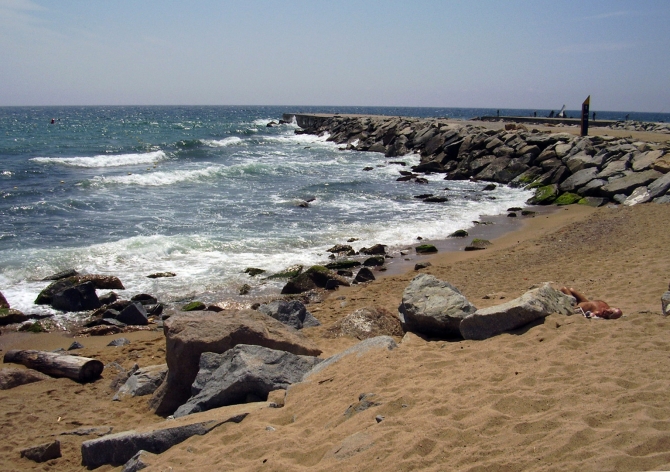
204,192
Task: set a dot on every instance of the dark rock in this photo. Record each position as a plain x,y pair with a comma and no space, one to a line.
312,278
461,233
544,195
77,298
511,215
108,298
99,282
144,299
292,313
3,302
119,342
244,289
364,275
61,275
489,187
342,248
345,264
425,249
253,272
11,316
436,199
374,261
11,378
75,345
188,335
43,452
433,307
139,461
155,310
422,265
377,249
159,275
532,305
229,378
134,314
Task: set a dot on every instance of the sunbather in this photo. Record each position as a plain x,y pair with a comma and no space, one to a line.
590,308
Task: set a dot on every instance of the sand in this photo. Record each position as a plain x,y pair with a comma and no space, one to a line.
567,393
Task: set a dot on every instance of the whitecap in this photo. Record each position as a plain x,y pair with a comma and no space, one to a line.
6,172
109,160
232,140
157,179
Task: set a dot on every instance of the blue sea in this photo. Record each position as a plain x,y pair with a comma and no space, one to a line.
204,192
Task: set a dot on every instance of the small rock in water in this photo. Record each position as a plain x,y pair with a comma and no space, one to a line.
159,275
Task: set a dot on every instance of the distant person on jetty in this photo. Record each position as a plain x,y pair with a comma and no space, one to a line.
593,308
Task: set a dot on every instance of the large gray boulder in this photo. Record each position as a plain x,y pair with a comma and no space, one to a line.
188,335
532,305
659,186
433,307
627,184
646,160
143,381
242,372
578,179
292,313
582,161
118,449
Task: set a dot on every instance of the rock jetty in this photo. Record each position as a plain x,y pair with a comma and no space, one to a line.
561,167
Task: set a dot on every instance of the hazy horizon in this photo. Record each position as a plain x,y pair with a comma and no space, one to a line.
430,53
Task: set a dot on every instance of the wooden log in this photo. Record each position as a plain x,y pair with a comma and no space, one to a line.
82,369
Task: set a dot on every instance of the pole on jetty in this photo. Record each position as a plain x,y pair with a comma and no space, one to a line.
585,116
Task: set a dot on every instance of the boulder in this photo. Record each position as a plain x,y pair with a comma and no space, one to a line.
532,305
582,161
139,461
613,168
133,314
11,378
659,186
99,282
190,334
639,195
646,160
11,316
143,381
77,298
662,164
433,307
376,250
117,449
61,275
377,343
243,372
312,278
627,184
144,299
43,452
364,275
544,195
578,179
292,313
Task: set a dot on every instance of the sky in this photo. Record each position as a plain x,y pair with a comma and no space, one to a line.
433,53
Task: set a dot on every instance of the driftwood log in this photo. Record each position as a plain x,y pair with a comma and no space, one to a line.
82,369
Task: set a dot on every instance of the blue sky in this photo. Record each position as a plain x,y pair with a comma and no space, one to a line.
499,54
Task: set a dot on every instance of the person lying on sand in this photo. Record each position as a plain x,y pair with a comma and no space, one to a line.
592,308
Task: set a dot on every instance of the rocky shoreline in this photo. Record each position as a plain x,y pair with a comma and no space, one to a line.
561,167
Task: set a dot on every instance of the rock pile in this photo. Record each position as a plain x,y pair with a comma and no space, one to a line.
563,168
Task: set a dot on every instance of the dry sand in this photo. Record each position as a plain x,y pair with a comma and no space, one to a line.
568,393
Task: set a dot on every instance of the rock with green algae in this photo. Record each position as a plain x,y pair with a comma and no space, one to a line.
461,233
544,195
568,198
289,273
478,244
425,249
194,306
345,264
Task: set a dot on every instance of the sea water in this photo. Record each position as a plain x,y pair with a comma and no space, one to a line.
203,192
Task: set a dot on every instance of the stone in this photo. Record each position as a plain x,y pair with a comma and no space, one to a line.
98,281
659,186
194,306
461,233
75,345
592,188
544,195
133,314
312,278
433,307
593,201
3,302
578,179
662,164
376,250
12,378
141,460
144,299
582,160
159,275
366,323
292,313
77,298
143,381
568,198
374,261
376,343
61,275
639,195
117,449
422,265
562,150
614,168
119,342
646,160
365,402
11,316
364,275
426,249
625,185
188,335
532,305
243,371
43,452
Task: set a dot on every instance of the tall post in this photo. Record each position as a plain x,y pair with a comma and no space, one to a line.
585,116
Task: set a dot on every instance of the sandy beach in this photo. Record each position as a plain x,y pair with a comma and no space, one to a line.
569,393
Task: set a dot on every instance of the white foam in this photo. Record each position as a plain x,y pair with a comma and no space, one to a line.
6,172
105,160
157,179
233,140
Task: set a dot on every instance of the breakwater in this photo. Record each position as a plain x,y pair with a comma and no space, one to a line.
561,167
